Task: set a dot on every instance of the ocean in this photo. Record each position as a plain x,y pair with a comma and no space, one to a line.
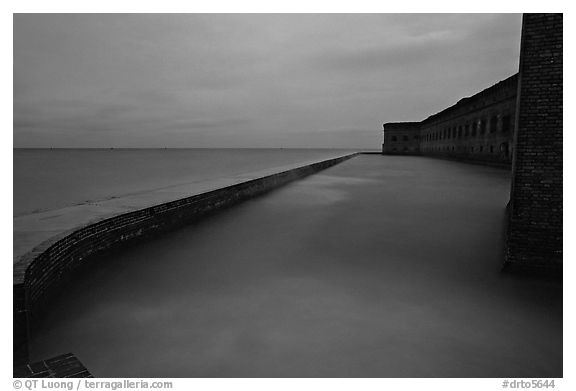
46,179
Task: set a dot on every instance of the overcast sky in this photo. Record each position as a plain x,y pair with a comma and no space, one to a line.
245,80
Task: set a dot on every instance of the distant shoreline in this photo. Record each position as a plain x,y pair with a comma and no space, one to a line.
184,148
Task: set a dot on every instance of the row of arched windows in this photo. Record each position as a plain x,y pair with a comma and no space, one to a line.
471,129
503,149
404,138
405,149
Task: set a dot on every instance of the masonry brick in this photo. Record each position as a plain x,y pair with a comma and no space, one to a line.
65,365
534,235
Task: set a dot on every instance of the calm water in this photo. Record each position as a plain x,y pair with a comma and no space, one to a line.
47,179
379,266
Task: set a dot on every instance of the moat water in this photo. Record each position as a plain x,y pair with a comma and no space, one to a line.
376,267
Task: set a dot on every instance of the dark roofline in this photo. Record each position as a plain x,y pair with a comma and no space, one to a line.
512,80
401,124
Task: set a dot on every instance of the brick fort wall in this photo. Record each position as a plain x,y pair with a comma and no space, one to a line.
401,138
478,128
535,209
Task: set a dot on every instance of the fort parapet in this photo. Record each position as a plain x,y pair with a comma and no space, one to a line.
477,128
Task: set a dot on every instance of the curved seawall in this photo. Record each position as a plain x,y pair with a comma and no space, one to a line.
49,246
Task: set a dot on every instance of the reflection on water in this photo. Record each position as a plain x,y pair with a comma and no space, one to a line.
321,189
399,277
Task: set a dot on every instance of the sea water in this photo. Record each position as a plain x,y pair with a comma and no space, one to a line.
46,179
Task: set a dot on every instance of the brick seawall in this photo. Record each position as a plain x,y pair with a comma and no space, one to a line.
40,272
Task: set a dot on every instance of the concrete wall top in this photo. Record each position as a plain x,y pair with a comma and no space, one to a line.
35,232
49,246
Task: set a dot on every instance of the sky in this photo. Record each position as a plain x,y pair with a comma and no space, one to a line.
246,80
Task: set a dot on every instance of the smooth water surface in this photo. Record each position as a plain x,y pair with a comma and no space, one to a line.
376,267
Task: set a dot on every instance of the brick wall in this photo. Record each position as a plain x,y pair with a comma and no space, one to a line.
41,272
401,138
65,365
478,128
535,209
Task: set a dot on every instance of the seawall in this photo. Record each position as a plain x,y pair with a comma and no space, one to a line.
49,246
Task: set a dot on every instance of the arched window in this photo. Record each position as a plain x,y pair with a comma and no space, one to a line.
506,123
493,124
482,125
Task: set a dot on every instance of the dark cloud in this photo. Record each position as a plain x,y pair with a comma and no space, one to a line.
265,80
